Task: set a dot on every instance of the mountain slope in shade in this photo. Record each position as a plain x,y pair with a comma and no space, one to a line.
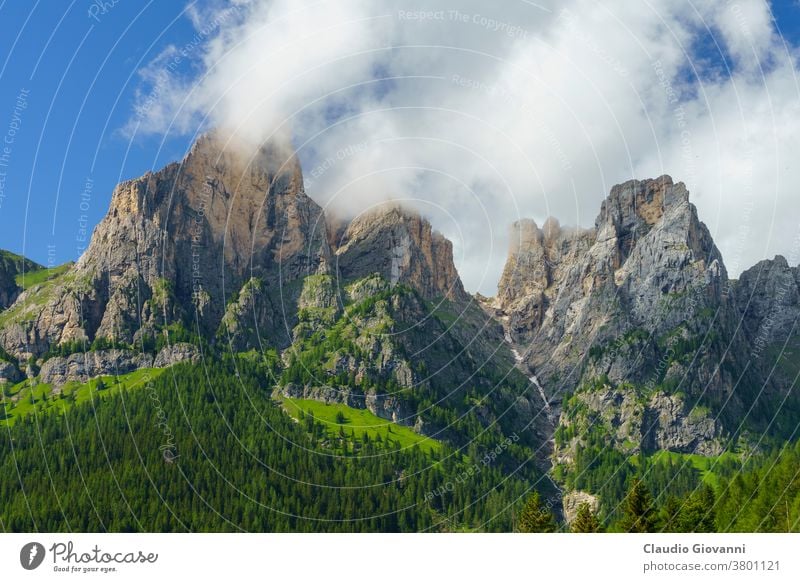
12,267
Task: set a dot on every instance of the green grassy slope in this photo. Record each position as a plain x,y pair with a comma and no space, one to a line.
357,422
23,399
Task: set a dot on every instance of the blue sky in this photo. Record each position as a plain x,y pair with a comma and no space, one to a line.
80,75
79,78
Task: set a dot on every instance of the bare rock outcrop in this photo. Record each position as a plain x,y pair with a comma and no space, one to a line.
83,367
633,422
9,373
387,406
648,272
177,243
574,499
402,247
175,354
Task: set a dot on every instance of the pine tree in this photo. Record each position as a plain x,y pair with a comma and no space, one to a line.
535,518
640,514
586,520
698,514
669,514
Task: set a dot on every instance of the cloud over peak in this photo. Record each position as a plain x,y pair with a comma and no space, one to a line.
483,114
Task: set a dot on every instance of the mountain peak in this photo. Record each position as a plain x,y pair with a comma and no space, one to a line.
177,243
640,204
400,245
215,161
565,289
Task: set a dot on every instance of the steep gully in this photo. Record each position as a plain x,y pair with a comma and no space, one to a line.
551,415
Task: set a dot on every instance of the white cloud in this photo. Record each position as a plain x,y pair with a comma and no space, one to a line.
481,114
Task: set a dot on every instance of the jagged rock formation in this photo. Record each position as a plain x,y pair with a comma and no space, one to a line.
644,299
647,269
537,261
225,248
401,247
631,422
176,244
768,297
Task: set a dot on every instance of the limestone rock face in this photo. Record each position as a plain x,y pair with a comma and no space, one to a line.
648,269
669,425
175,354
538,260
82,367
176,244
768,298
58,371
635,423
251,317
386,406
574,499
401,247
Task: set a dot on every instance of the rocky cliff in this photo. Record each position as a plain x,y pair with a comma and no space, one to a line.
177,244
644,299
647,269
225,249
632,422
401,247
82,367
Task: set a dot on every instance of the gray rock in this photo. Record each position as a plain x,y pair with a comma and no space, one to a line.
9,373
612,300
634,423
179,242
83,367
768,299
385,406
574,499
400,246
176,353
249,318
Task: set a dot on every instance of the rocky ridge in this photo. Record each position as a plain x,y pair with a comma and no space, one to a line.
637,318
176,243
591,287
226,247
